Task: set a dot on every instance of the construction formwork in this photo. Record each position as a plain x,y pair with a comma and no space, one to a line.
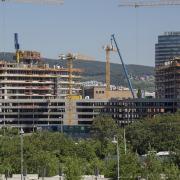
36,81
167,79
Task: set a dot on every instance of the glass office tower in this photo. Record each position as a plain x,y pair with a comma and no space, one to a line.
168,46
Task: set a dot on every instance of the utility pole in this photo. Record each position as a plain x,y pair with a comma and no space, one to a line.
125,146
115,141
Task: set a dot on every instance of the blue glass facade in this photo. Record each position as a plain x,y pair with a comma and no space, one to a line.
168,46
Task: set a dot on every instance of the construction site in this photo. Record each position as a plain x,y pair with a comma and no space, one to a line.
34,95
167,79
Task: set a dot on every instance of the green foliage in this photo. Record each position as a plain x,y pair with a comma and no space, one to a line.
139,93
155,169
152,167
171,171
9,131
129,165
73,168
160,133
46,152
103,128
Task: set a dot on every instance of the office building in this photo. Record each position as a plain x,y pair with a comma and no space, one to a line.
168,46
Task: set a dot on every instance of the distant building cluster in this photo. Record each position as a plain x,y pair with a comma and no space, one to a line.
143,78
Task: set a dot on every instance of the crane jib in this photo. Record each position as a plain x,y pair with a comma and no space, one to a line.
124,67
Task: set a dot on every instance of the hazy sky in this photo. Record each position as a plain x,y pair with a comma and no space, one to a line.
85,26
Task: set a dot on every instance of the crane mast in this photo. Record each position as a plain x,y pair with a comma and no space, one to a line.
148,3
108,49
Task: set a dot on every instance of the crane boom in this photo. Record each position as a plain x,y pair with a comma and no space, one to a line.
36,1
145,3
124,67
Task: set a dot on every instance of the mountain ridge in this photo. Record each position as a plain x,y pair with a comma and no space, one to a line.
95,70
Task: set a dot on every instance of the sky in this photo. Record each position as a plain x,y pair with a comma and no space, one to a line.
84,26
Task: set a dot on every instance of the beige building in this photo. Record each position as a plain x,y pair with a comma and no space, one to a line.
32,79
100,92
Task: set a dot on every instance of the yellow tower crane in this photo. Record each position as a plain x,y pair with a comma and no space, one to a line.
148,3
108,49
70,58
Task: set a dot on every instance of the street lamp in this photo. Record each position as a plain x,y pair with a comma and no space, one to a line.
115,141
21,135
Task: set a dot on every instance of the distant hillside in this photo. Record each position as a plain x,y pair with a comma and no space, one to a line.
94,70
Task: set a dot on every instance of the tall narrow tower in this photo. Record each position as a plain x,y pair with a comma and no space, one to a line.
108,49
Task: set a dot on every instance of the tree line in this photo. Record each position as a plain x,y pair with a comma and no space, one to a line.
52,153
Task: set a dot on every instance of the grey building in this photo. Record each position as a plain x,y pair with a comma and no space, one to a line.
55,114
168,46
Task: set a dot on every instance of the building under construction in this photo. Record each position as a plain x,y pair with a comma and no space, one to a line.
34,95
168,79
30,78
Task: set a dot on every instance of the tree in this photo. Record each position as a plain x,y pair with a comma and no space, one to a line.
139,93
161,133
129,165
73,168
104,127
152,167
171,171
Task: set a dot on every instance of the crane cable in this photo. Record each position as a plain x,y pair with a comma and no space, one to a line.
137,35
3,28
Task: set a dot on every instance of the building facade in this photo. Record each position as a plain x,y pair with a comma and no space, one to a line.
168,79
32,79
54,113
167,47
100,92
34,95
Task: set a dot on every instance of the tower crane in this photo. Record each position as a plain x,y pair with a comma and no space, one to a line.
148,3
70,58
17,47
108,49
36,1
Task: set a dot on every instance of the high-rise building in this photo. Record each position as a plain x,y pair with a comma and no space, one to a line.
168,46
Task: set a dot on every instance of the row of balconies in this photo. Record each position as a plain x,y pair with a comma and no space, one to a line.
38,75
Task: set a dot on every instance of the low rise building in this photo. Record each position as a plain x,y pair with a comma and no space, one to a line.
100,92
56,113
